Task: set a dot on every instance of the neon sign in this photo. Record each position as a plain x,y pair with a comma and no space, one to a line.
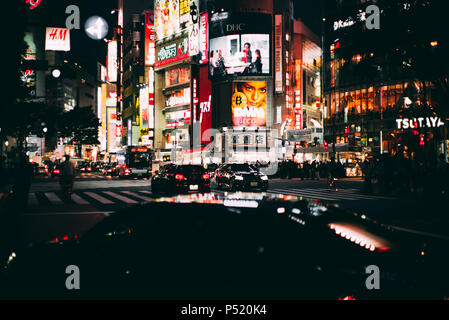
33,3
415,123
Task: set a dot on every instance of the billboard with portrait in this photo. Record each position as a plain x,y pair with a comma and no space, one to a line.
249,104
240,54
166,18
239,44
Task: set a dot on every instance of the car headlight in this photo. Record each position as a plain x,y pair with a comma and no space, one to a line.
240,178
264,178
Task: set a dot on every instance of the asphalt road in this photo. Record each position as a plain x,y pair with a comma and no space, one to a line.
95,197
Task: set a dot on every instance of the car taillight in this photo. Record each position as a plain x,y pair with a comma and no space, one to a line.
109,170
206,176
180,177
127,170
56,171
89,169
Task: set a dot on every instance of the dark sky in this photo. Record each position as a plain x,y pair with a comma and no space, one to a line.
309,11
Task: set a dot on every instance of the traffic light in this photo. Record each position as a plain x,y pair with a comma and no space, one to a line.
421,142
325,145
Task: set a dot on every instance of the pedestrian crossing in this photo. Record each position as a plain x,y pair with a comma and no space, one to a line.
89,198
328,195
126,197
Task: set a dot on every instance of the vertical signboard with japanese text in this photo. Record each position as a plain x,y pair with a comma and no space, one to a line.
279,85
205,101
112,64
298,95
204,38
150,50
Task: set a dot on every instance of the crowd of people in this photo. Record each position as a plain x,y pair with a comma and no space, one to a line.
402,175
314,170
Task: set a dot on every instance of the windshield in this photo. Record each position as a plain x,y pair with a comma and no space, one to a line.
138,160
242,168
191,169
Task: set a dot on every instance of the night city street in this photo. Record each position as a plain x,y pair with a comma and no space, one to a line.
225,150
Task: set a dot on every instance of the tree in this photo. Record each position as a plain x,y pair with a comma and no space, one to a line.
80,125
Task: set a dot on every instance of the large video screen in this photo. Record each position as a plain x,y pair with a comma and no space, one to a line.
239,54
249,104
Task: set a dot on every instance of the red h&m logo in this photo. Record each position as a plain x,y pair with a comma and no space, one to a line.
33,3
58,34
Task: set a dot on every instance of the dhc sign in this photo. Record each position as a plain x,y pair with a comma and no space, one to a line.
416,123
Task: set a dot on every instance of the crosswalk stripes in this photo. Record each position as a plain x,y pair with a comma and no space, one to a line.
138,196
146,192
305,194
121,198
53,198
99,198
78,200
32,199
326,194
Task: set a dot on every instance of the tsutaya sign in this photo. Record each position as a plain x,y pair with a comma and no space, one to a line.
415,123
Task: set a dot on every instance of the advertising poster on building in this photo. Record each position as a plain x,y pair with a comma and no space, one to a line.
150,49
172,52
57,39
249,103
246,54
239,44
166,18
177,76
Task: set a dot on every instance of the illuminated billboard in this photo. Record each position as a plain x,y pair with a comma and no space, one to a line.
175,51
57,39
112,63
245,54
239,44
166,18
150,50
177,76
249,104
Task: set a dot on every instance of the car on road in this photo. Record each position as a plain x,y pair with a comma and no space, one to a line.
56,172
232,247
41,171
109,170
240,176
177,179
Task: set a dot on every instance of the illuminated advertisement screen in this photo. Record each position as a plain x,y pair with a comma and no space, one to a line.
177,76
239,44
249,103
166,18
245,54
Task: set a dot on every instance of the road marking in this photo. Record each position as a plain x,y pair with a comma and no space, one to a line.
121,198
420,232
105,213
78,200
32,199
133,194
146,192
303,194
98,198
53,198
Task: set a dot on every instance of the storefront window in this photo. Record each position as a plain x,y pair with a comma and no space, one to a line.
358,101
370,99
364,100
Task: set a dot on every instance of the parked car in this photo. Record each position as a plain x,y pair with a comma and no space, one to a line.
242,176
176,179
